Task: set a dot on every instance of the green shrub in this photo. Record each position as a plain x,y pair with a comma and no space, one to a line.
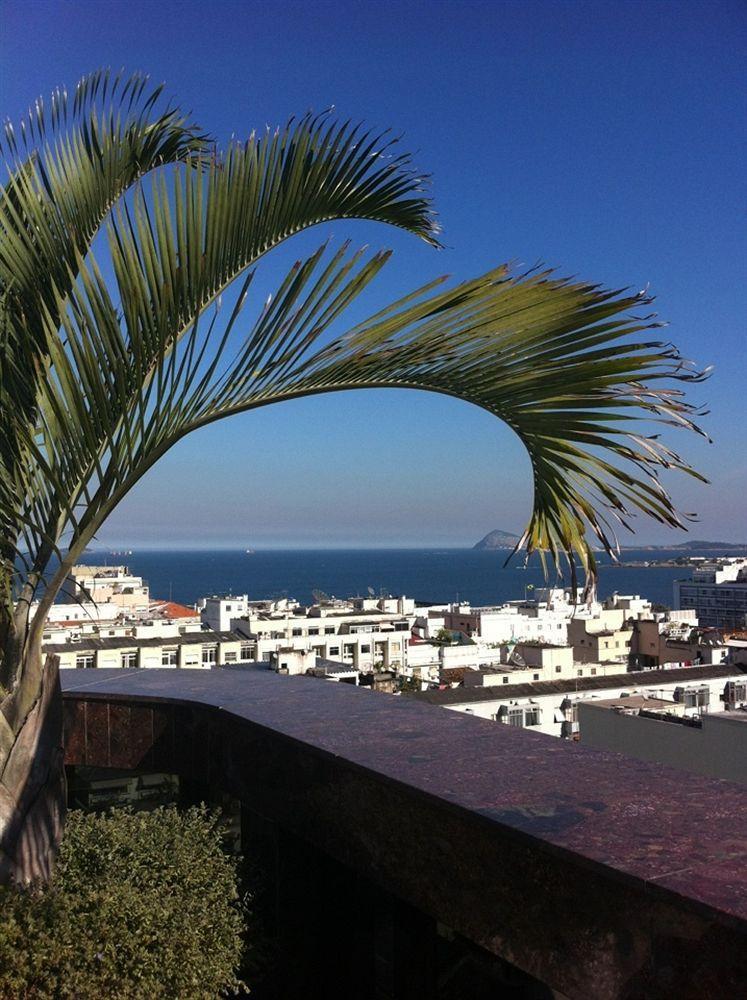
142,905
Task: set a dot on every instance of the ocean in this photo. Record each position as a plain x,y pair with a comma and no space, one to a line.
431,575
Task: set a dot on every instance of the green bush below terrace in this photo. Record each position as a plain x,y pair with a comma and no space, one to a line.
142,906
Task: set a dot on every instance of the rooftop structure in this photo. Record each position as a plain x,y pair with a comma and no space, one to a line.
112,584
714,744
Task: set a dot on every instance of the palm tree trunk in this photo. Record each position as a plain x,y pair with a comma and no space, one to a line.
32,773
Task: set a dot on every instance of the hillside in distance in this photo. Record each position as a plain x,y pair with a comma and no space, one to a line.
497,540
696,545
506,540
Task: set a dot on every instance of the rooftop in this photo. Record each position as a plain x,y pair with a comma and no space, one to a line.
87,642
632,679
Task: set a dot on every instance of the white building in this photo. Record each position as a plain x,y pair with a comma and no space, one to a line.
546,617
191,650
366,634
217,612
551,707
717,591
163,618
84,613
108,584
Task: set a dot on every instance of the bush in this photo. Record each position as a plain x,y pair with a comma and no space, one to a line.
142,905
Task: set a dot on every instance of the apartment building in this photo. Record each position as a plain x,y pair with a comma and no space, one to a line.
108,585
193,650
366,634
717,591
593,642
658,642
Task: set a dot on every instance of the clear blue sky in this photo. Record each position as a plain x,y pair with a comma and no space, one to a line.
607,139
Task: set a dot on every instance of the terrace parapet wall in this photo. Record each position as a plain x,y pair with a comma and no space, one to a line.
599,875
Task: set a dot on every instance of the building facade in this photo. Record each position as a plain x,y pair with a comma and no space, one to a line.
717,592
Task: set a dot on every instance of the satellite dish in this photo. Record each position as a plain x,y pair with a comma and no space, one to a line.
319,596
371,592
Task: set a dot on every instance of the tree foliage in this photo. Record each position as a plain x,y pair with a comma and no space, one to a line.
140,905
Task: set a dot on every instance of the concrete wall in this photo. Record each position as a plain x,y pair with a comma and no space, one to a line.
717,749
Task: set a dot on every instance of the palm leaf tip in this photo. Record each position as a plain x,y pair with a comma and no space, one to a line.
561,364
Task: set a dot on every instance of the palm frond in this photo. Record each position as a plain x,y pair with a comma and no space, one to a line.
68,165
524,347
114,376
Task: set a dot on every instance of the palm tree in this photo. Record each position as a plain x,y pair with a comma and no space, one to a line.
100,377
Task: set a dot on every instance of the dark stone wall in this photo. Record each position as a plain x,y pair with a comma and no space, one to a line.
369,858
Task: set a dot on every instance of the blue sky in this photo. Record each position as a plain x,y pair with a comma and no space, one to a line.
606,139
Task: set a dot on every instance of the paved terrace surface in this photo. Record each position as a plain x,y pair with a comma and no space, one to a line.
602,875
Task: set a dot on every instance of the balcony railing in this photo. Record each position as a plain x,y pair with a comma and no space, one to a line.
598,875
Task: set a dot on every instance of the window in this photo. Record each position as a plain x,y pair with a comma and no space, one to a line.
516,717
697,697
230,657
505,680
349,650
334,650
532,716
535,677
579,673
246,651
329,630
313,631
228,607
128,660
297,631
209,655
593,671
366,648
84,662
735,691
169,657
558,669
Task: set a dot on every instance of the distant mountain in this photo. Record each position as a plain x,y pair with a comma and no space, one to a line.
696,545
497,540
712,545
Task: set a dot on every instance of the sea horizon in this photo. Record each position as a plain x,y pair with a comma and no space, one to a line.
435,575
